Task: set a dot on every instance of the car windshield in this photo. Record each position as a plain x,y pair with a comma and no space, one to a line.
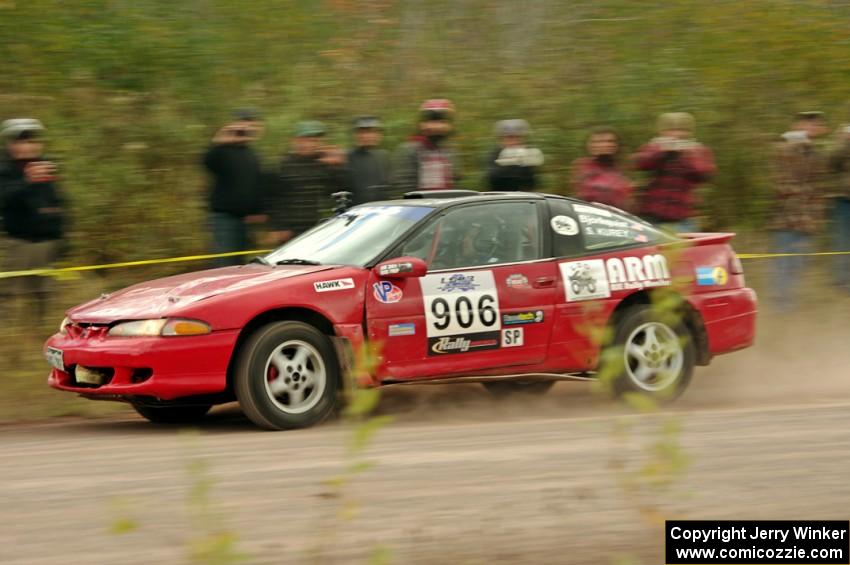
352,238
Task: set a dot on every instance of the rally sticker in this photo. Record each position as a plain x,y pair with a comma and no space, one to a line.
338,284
402,329
513,337
521,318
708,276
461,312
564,225
460,303
596,278
386,292
463,343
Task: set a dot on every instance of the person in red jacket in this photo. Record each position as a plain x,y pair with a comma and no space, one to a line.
678,165
598,177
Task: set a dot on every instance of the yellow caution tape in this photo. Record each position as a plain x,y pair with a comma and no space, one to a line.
70,272
65,273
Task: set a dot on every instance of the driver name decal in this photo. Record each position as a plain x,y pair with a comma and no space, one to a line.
597,278
338,284
461,312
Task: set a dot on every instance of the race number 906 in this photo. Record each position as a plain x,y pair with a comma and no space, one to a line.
460,303
464,313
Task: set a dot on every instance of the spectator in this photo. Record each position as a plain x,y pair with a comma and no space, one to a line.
840,165
512,165
33,210
309,175
424,162
799,176
368,165
598,177
678,165
237,180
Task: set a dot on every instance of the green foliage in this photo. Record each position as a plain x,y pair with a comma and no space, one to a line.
132,91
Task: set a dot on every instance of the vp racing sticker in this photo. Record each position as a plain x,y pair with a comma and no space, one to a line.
461,312
386,292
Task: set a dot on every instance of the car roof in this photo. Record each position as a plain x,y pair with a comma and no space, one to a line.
446,198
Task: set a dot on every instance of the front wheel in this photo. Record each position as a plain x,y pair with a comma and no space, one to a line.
287,376
651,354
173,414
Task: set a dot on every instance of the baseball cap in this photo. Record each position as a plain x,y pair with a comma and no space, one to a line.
367,122
16,128
310,129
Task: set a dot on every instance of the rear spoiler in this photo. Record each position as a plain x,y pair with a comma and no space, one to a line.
707,238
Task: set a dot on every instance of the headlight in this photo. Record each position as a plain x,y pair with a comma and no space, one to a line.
160,327
63,327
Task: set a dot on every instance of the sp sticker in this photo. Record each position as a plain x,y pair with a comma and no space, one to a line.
513,337
386,292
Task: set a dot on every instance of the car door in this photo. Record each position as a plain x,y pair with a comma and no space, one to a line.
486,303
603,256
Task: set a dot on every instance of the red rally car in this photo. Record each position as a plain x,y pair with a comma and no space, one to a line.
514,290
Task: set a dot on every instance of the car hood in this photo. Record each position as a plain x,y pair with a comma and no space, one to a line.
163,297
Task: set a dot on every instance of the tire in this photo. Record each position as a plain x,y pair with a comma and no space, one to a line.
649,355
576,286
591,286
502,389
173,414
287,376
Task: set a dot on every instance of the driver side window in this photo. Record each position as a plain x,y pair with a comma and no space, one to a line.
479,235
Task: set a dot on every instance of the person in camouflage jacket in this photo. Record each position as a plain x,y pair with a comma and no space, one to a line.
799,174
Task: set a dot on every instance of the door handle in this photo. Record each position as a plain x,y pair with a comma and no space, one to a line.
544,282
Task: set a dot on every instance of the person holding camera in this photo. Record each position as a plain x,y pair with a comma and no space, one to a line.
32,209
799,173
368,164
512,164
678,165
308,177
237,184
598,176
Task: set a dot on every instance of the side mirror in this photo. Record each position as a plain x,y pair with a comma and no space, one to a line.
402,268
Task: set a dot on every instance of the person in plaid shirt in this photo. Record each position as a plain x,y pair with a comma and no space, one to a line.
799,172
678,164
598,177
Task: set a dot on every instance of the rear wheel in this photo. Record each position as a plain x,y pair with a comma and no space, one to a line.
287,376
651,354
506,388
173,414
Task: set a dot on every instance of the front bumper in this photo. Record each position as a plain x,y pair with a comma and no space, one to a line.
161,367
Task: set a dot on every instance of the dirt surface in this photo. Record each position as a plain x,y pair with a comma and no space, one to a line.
458,477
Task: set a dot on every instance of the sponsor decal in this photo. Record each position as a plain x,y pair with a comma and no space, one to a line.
402,329
585,280
630,273
595,278
521,318
460,304
513,337
517,281
582,209
386,292
338,284
395,268
459,282
564,225
464,343
708,276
